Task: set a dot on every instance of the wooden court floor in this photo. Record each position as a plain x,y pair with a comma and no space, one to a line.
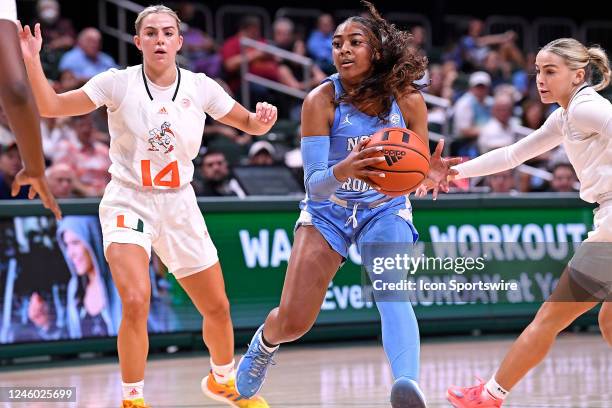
577,374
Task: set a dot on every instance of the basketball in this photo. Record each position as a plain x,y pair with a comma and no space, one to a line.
406,160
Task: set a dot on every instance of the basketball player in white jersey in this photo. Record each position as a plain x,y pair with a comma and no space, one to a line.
583,124
20,108
156,114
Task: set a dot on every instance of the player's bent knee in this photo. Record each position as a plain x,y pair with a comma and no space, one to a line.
135,306
546,322
218,310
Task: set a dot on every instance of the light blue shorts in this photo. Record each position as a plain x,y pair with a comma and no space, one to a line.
356,223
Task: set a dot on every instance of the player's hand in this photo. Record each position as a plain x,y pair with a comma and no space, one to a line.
266,113
38,185
30,44
356,164
439,171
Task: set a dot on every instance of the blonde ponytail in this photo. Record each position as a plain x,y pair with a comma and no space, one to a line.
599,60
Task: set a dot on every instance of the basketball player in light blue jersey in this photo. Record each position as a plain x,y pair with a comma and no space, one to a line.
373,90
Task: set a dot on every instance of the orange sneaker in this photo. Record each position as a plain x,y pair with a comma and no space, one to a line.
227,393
137,403
472,397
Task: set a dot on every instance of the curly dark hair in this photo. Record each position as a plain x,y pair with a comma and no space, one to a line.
394,71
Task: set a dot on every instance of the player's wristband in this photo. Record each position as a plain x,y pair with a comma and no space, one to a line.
319,179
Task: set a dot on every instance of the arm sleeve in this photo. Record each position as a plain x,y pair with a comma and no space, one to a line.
592,118
319,179
508,157
8,10
101,89
216,102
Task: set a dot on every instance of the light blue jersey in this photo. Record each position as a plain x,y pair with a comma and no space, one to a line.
350,126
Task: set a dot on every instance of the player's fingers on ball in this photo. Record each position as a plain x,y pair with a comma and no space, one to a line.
362,144
369,161
370,151
373,174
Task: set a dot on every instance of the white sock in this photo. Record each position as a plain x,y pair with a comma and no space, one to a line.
223,374
496,390
132,391
263,345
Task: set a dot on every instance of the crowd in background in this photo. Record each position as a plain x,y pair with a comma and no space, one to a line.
487,79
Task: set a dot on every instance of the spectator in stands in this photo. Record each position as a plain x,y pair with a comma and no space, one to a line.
320,43
58,35
260,63
564,178
501,129
474,47
284,37
6,136
198,47
191,15
419,36
88,158
215,177
533,114
61,180
53,131
86,59
499,70
441,78
471,112
503,182
524,78
201,52
10,164
261,153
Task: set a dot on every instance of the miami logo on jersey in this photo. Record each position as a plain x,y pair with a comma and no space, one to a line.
163,138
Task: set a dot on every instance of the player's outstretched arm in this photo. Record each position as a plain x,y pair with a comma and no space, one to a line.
50,104
505,158
254,123
20,107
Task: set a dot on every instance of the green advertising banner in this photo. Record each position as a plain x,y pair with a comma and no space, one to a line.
254,246
529,241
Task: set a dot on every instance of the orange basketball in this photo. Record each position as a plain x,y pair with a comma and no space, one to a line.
406,160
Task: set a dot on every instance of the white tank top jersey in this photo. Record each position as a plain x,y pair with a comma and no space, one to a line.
8,10
584,129
156,131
